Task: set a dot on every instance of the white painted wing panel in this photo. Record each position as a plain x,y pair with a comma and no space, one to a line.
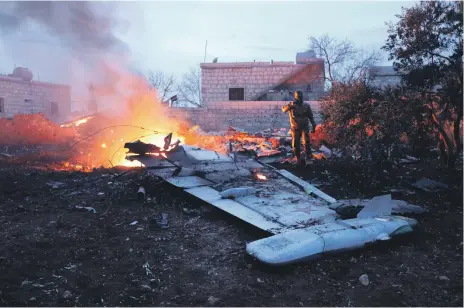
236,209
307,186
204,193
301,244
188,181
248,215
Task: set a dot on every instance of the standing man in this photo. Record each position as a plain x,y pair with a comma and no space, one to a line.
299,114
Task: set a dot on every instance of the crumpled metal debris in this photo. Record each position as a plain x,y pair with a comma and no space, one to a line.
351,207
430,185
238,192
162,221
87,208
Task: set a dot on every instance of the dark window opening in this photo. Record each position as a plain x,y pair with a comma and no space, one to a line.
30,103
236,94
53,108
2,105
309,88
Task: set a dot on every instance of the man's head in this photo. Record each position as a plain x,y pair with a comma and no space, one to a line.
298,95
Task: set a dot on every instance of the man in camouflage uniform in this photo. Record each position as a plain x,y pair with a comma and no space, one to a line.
299,114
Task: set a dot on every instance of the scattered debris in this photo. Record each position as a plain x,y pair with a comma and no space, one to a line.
238,192
55,185
430,185
141,193
6,155
87,208
145,287
25,283
408,160
212,300
162,221
364,279
327,152
133,223
67,294
443,278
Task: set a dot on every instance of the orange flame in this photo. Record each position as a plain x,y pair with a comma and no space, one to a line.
261,177
76,123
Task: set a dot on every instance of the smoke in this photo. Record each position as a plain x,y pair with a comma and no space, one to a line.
84,27
88,33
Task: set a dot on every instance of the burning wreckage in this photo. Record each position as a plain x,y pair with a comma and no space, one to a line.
304,221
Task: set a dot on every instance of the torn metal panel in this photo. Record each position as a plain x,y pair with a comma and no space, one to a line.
188,181
248,215
430,185
398,206
207,194
308,187
378,206
301,216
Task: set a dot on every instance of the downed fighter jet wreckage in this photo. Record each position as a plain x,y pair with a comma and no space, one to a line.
302,219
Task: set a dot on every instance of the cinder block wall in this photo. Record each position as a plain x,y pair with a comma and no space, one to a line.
252,116
40,95
254,77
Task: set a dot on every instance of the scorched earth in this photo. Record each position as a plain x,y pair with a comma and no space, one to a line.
71,238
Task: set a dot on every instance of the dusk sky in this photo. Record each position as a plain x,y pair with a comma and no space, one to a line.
170,36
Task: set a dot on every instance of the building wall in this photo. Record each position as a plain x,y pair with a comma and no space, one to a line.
383,76
252,116
40,96
384,81
255,77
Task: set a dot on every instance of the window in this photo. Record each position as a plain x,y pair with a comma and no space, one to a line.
2,105
53,108
309,88
236,94
30,103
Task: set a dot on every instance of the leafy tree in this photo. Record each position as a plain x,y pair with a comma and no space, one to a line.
426,45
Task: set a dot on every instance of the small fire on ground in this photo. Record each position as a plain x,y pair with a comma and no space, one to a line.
261,176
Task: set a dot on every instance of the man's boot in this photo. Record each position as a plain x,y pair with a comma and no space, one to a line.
302,160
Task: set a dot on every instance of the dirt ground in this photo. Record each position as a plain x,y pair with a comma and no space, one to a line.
54,254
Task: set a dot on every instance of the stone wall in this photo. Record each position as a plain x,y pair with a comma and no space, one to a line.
26,97
254,77
251,116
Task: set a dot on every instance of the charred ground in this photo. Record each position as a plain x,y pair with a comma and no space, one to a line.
53,254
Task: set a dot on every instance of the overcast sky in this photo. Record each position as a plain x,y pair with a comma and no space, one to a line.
170,36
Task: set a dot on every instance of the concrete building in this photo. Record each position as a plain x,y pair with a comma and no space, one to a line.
382,76
19,94
263,81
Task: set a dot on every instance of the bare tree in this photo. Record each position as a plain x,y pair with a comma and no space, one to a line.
164,84
344,62
190,87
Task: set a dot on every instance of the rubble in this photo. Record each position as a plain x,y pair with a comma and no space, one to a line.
364,280
81,234
141,193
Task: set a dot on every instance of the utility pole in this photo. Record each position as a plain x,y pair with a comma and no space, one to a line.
206,46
